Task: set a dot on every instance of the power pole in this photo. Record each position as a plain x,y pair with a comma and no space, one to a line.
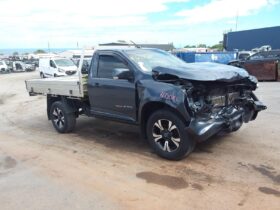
49,47
236,20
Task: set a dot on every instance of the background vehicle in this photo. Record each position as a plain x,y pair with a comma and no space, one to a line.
19,66
56,66
85,65
3,67
30,65
243,55
175,104
263,65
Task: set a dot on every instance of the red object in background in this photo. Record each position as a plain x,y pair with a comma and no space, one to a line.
264,70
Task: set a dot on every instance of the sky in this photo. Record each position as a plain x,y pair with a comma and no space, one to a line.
64,23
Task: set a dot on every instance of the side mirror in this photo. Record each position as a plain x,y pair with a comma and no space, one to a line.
122,73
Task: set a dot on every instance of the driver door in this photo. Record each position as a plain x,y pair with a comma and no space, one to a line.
109,96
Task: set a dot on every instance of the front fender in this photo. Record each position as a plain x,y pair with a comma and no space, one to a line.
163,93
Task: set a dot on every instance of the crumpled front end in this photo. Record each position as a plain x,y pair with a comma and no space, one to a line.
220,107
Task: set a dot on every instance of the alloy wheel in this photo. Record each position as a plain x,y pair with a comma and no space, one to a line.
166,135
58,117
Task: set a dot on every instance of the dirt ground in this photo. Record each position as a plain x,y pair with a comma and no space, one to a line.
106,165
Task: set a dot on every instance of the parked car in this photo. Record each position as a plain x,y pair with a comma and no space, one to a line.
262,48
85,66
19,66
56,67
3,67
32,64
175,104
10,65
243,55
263,65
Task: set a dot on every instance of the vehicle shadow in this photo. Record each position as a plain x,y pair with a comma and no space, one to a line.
209,145
114,135
127,138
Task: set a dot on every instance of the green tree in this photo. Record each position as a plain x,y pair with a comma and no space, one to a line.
39,51
189,46
218,47
202,45
15,53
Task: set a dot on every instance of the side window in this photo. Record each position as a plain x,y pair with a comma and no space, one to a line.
106,65
52,64
256,56
243,56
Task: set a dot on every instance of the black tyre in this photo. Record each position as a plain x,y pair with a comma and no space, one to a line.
62,119
167,136
42,75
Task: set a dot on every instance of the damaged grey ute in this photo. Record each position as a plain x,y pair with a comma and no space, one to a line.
176,104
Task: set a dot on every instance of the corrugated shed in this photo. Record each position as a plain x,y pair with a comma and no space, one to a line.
249,39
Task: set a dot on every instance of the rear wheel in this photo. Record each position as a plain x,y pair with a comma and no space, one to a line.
167,136
62,119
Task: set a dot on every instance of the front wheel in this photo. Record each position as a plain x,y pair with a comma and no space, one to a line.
42,75
62,119
167,136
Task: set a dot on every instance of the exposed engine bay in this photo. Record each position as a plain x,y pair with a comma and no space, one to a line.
225,105
217,98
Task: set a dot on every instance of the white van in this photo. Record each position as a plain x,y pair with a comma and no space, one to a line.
56,67
3,66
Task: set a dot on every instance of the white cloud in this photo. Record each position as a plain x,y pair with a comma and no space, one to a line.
93,8
37,21
221,9
34,23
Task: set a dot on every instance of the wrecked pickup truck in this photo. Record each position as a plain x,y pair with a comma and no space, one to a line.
175,104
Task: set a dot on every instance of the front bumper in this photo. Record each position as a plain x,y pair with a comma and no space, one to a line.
229,118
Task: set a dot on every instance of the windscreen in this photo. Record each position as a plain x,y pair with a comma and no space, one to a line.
64,62
148,59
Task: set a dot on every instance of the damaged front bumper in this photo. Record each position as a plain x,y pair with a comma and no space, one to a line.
229,118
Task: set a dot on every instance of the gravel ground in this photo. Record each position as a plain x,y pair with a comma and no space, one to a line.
106,165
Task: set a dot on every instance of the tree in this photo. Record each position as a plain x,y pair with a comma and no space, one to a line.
189,46
202,45
218,47
15,53
39,51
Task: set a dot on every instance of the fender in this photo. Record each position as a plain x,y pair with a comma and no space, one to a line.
164,93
